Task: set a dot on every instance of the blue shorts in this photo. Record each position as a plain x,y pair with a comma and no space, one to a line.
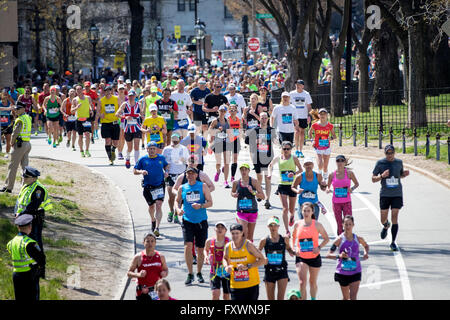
183,125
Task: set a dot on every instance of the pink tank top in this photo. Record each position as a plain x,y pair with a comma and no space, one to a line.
341,188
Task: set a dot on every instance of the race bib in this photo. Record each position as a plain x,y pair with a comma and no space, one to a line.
52,111
87,124
306,245
348,265
155,137
236,132
252,124
286,118
71,118
157,193
212,118
341,192
392,182
245,204
324,143
110,108
193,197
166,116
275,258
263,147
240,276
183,123
132,121
222,135
286,178
308,195
221,273
153,295
300,103
4,120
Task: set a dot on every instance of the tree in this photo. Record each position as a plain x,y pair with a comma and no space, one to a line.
137,24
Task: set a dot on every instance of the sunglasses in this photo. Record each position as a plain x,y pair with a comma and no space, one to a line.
287,149
389,153
340,160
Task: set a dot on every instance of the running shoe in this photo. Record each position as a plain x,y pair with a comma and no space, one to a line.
35,133
189,279
40,128
153,226
175,220
291,221
68,144
6,155
267,204
113,156
232,179
92,139
227,186
216,177
299,154
393,247
143,147
88,154
288,234
54,145
156,232
60,139
73,149
120,156
49,141
384,231
127,164
82,154
200,278
111,163
194,260
170,217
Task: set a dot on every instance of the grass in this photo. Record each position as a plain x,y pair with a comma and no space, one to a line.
50,181
7,200
59,191
3,162
432,155
64,210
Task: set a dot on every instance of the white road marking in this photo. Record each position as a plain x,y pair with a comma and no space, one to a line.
377,242
406,286
331,220
379,283
360,209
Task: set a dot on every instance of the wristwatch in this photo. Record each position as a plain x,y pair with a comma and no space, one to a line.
249,266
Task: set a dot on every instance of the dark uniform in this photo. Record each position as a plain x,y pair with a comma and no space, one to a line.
33,200
28,262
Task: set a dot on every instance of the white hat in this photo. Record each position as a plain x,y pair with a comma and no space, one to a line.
221,223
308,159
34,90
120,86
285,94
128,81
192,128
153,107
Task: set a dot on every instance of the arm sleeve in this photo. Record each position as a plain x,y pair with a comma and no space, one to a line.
36,253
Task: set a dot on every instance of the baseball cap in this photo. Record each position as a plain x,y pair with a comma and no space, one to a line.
131,93
192,128
19,105
308,159
149,234
151,144
323,110
300,82
201,82
294,293
153,78
340,157
34,90
286,143
232,85
221,223
389,147
154,89
244,165
121,78
153,107
128,81
120,86
236,226
223,107
108,88
175,136
190,169
285,94
273,220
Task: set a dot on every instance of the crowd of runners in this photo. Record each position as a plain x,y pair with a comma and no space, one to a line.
178,123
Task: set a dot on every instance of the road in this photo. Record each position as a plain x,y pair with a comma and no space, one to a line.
418,271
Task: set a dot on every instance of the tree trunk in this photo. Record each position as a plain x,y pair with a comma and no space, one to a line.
417,77
363,83
438,68
137,24
281,46
295,68
337,95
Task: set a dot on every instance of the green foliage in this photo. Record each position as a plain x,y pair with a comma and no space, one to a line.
7,200
50,181
432,155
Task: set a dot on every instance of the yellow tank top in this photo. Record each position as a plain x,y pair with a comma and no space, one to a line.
83,111
109,108
242,279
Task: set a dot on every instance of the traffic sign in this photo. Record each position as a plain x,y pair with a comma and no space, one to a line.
253,44
264,16
119,60
177,32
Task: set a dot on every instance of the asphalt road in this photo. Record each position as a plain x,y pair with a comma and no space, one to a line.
418,271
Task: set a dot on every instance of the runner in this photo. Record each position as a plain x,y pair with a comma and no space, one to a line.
110,130
70,119
184,110
305,242
276,268
219,141
162,288
30,105
166,108
260,140
341,180
234,138
36,113
44,94
287,163
154,168
151,266
302,101
247,190
265,100
214,251
132,114
196,145
52,105
196,198
241,261
348,269
155,127
390,172
285,117
212,103
150,100
198,96
306,186
95,107
251,115
6,122
236,99
322,131
121,99
145,94
193,162
176,156
82,106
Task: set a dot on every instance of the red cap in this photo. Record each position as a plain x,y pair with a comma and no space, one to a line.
87,84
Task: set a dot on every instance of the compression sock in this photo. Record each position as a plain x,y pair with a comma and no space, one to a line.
136,156
394,231
108,151
128,155
233,169
113,149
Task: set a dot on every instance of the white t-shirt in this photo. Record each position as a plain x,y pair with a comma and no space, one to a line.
183,101
284,117
173,157
239,101
300,101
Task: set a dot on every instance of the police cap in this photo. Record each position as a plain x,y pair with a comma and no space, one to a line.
23,220
31,172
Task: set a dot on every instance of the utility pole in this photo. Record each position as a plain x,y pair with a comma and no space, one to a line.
254,30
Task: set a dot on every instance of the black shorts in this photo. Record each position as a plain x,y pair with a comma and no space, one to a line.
344,280
286,136
197,231
315,262
7,130
92,119
148,194
53,119
391,202
129,136
303,123
200,118
247,294
274,274
61,120
42,117
70,126
234,146
83,128
110,130
171,179
219,283
258,167
220,147
286,189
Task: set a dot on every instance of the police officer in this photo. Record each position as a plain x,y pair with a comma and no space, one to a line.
28,261
33,200
21,145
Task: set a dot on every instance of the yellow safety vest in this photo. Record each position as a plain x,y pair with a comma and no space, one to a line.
25,133
24,198
17,247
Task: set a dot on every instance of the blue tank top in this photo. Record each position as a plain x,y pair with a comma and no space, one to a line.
5,116
310,189
193,194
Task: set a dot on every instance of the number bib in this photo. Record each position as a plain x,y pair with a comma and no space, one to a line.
392,182
155,137
222,135
324,143
286,178
183,123
308,195
245,204
166,116
4,119
193,197
252,124
52,111
348,265
286,118
306,245
132,121
87,124
263,147
157,193
71,118
241,276
110,108
275,258
341,192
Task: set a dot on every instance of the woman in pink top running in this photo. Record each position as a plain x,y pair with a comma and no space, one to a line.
341,180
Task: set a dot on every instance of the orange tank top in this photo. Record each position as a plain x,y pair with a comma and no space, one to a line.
307,238
68,108
234,127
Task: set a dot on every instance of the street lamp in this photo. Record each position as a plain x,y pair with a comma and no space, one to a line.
159,36
199,29
94,36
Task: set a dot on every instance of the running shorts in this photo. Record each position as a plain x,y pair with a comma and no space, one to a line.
197,231
303,123
219,283
7,130
324,152
345,280
246,294
286,136
246,216
315,262
391,202
53,119
153,194
234,146
92,119
200,118
70,126
258,167
286,190
129,136
110,130
171,179
83,126
273,274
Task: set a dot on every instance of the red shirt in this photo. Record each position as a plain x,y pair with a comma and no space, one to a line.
322,133
42,97
153,266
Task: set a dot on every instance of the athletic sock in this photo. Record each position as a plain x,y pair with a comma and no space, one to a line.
113,149
128,155
386,224
136,156
108,151
394,231
233,169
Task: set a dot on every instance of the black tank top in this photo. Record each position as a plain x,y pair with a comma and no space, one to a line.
275,253
246,201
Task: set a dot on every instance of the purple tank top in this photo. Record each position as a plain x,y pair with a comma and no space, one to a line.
341,188
352,265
